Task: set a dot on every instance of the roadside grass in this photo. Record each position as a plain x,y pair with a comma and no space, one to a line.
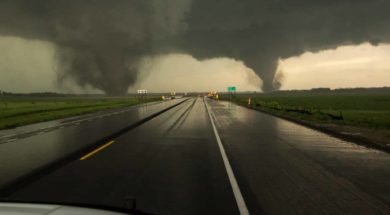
354,109
22,110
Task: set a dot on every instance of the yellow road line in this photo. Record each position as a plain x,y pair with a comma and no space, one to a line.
96,150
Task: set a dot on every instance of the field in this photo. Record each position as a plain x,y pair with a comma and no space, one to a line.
17,110
368,109
362,116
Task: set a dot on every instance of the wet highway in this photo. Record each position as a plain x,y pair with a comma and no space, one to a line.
285,168
27,149
179,163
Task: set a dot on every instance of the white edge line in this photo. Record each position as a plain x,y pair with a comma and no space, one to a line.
233,182
76,122
11,140
8,135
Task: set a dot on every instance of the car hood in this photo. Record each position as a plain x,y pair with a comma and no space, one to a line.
48,209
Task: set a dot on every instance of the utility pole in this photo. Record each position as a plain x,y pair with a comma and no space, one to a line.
2,98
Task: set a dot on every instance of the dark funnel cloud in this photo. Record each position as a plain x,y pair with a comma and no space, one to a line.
101,42
260,32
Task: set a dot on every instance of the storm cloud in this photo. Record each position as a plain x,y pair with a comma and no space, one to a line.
101,43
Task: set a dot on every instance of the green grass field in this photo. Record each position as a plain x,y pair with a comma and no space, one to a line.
21,110
371,110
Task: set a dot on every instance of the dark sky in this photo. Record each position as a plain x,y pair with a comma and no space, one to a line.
101,42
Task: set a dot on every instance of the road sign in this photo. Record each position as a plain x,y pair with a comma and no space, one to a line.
231,89
142,95
142,91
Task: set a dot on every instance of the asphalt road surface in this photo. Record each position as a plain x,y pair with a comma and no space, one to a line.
27,149
179,163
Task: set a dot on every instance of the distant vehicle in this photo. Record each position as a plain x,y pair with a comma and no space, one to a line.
173,95
213,95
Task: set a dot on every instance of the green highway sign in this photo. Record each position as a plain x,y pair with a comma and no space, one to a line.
231,89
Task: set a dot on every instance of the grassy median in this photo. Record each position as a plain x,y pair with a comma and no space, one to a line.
17,110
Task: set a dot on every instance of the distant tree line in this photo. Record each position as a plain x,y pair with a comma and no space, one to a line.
340,90
36,94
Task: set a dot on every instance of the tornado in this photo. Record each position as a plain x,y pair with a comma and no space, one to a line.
101,43
98,42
